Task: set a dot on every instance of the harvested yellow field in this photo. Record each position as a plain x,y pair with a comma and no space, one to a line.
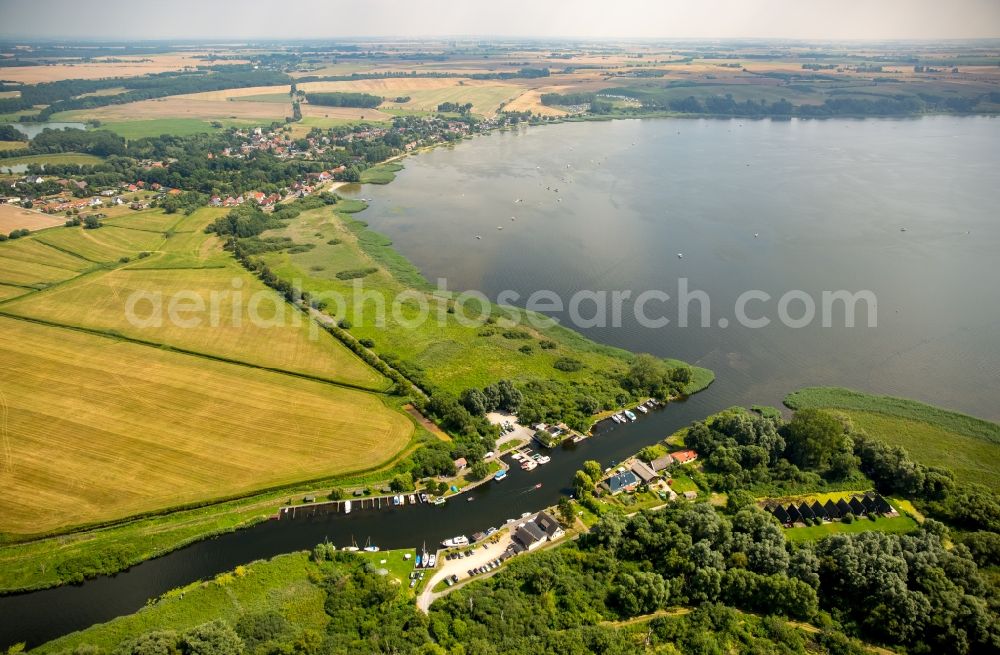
21,273
13,217
13,145
35,252
131,67
187,106
255,325
7,292
426,93
532,101
344,113
95,429
106,244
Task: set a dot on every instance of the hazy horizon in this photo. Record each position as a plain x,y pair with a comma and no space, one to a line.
847,20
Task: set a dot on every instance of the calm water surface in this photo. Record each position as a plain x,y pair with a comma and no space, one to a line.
827,198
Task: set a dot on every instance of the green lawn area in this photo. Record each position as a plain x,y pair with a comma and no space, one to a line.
394,562
895,524
56,158
174,126
682,482
933,436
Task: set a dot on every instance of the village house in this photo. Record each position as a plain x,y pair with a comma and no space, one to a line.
644,472
623,481
684,456
533,534
662,463
461,463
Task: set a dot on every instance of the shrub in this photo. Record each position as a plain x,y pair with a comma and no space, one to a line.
848,518
516,334
567,364
367,343
355,273
344,324
547,345
526,349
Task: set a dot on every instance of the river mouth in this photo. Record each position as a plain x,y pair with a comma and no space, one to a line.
827,199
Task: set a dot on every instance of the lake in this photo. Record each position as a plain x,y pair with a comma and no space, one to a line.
34,129
829,201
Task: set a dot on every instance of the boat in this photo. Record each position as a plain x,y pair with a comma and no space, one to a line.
642,408
351,549
543,459
439,501
413,499
500,475
431,561
347,507
418,560
395,501
530,465
423,498
680,255
525,515
455,542
538,486
469,499
369,548
630,415
616,418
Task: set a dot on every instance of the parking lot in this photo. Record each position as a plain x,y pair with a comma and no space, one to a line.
481,555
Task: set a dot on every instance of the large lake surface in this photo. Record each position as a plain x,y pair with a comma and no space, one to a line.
827,200
906,209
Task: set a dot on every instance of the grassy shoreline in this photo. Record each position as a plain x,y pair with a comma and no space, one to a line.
933,436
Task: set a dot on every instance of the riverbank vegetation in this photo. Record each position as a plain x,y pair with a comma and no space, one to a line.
687,577
967,445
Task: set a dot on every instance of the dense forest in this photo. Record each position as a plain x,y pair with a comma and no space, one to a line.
343,99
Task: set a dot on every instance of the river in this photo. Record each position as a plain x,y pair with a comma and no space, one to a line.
828,201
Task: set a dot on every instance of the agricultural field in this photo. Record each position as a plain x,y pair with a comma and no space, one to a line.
129,67
13,217
933,436
138,129
63,467
254,326
13,145
103,245
60,158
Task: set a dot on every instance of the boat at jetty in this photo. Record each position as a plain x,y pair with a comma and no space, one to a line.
347,507
439,501
455,542
500,475
642,408
629,415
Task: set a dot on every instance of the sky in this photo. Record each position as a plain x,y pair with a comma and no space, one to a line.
289,19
